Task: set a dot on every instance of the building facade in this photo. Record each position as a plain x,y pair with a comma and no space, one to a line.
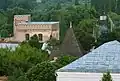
24,29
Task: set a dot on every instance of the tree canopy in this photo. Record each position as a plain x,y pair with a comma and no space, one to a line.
28,58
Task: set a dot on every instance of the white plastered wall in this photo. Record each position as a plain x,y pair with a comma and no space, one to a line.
77,76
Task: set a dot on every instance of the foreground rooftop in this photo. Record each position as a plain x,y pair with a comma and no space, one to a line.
104,58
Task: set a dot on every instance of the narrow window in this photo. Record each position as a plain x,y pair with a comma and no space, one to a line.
27,36
40,37
50,36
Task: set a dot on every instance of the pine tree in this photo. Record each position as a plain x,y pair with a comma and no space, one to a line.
107,77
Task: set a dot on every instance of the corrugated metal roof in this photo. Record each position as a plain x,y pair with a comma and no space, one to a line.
104,58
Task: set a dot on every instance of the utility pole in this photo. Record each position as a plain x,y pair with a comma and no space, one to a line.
111,24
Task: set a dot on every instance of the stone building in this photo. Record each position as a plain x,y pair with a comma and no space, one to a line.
24,29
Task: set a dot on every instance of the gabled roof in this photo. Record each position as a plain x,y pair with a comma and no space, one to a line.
104,58
69,46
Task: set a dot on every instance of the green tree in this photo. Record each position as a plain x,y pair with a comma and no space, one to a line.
3,25
53,42
22,4
6,24
107,77
110,36
34,42
104,5
3,4
23,58
63,60
44,71
15,11
85,33
4,62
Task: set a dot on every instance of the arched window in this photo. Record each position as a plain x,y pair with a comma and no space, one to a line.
40,37
27,36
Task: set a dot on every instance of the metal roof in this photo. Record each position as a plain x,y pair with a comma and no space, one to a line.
22,15
43,22
8,45
104,58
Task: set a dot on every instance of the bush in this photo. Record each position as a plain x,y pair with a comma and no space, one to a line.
27,63
34,42
107,77
4,62
63,60
18,75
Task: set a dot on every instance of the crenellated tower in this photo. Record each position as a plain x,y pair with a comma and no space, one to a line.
19,19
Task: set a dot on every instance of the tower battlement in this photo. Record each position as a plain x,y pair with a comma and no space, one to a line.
21,19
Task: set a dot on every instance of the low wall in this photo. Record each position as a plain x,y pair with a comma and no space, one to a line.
8,40
77,76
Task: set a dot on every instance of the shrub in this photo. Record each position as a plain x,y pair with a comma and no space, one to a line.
65,59
107,77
